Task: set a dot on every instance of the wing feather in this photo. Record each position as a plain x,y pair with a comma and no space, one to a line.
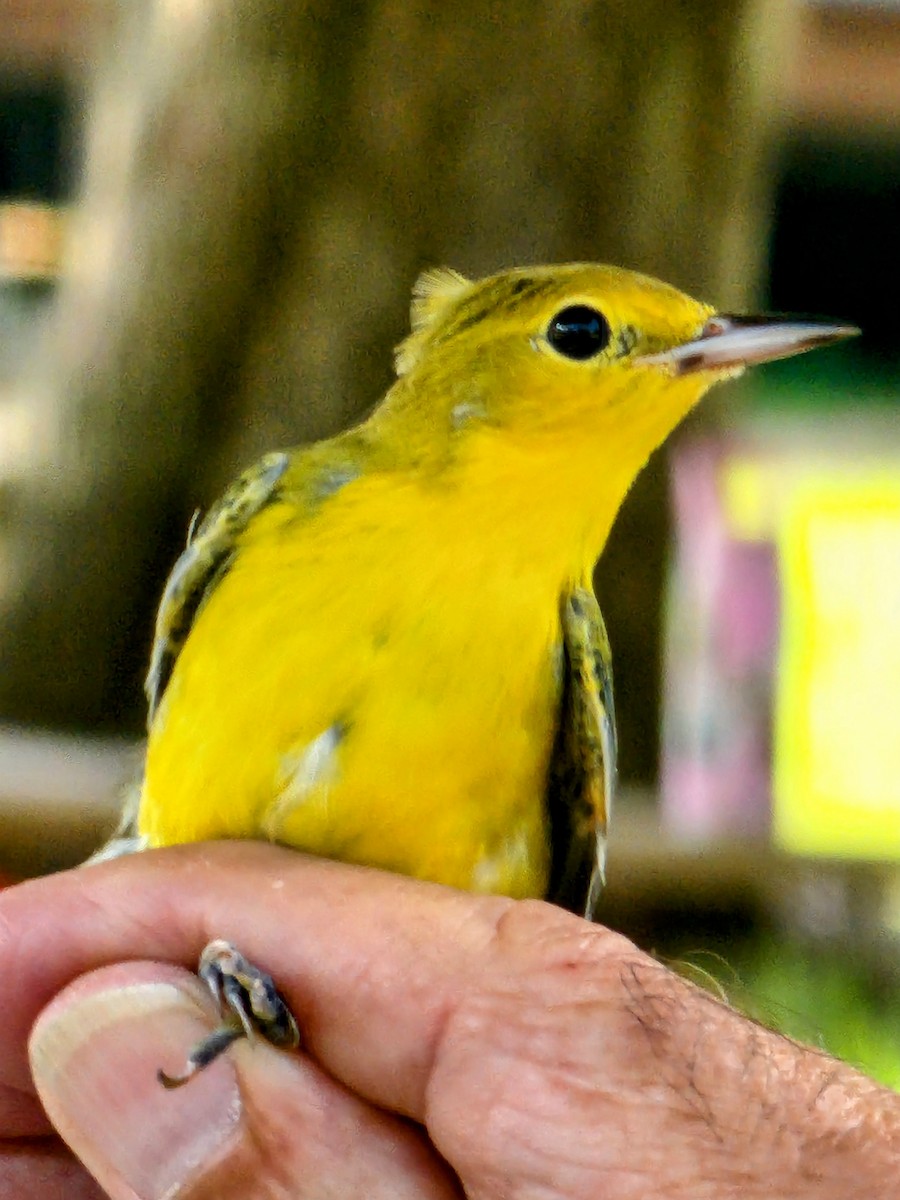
202,564
582,777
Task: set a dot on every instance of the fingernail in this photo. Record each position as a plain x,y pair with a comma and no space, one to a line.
94,1062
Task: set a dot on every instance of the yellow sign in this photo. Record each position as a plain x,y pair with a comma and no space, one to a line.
837,711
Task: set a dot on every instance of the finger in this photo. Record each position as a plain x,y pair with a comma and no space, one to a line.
375,955
44,1169
21,1115
255,1124
373,964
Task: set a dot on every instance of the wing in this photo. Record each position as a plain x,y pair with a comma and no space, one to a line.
582,775
202,564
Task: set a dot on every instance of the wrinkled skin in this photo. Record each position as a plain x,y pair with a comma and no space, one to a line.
454,1046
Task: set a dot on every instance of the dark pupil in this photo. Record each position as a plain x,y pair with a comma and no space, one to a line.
578,332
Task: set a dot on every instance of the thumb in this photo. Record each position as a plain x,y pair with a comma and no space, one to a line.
94,1055
254,1120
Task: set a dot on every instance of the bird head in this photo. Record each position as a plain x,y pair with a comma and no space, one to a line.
560,372
562,347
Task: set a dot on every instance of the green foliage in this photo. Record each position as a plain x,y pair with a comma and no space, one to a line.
845,1005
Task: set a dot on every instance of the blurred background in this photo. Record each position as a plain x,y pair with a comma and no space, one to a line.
211,214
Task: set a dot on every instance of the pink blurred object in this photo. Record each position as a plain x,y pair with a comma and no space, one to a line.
720,652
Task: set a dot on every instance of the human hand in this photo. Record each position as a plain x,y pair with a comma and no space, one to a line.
455,1045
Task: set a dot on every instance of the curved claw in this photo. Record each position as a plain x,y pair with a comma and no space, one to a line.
206,1051
250,1004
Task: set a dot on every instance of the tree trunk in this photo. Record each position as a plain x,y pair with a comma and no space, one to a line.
263,181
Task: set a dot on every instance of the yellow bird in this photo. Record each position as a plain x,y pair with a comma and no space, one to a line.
384,648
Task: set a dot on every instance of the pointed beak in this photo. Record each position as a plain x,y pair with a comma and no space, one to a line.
728,343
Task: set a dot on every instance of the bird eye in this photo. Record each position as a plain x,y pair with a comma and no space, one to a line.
578,332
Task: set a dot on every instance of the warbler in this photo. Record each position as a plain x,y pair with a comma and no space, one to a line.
384,648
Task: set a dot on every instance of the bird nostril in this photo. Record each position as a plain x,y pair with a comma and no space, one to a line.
716,326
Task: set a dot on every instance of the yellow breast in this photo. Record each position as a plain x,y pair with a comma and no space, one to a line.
377,684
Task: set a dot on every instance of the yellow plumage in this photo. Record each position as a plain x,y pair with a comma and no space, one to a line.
363,652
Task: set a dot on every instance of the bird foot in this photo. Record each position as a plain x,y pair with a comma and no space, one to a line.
250,1005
